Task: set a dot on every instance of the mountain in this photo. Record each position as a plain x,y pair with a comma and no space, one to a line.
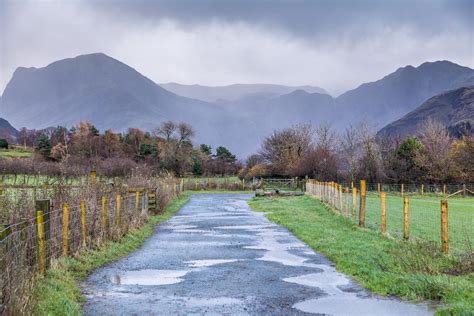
454,108
235,91
106,92
6,130
110,94
381,102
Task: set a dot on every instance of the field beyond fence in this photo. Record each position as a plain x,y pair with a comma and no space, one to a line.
41,223
440,214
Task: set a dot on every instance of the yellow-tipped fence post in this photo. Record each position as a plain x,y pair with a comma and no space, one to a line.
93,177
41,242
405,218
137,202
362,203
42,222
65,229
347,201
340,197
83,221
354,202
104,214
118,206
383,210
444,226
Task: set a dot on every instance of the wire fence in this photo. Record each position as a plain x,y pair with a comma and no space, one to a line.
65,220
444,216
218,183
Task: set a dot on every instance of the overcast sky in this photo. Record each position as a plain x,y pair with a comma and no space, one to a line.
336,45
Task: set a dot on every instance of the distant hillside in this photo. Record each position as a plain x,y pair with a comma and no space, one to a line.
6,130
235,91
398,93
110,94
104,91
453,108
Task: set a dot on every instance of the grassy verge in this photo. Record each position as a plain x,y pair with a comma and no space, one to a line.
59,294
412,271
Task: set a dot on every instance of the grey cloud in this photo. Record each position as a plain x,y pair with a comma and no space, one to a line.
333,44
304,17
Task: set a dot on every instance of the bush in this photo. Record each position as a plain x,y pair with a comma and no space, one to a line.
3,143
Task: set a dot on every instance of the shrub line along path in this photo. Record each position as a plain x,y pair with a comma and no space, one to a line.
218,256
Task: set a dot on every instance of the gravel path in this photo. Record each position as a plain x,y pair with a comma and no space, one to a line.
217,256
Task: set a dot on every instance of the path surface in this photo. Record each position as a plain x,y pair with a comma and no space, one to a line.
217,256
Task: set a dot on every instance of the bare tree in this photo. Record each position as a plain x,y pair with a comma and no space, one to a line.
166,130
284,149
435,157
370,163
351,152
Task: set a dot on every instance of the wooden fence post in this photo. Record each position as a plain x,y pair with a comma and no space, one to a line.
378,187
181,189
347,201
118,206
402,190
422,189
195,185
444,226
104,214
65,229
444,191
243,184
208,183
137,202
340,197
93,177
405,218
83,222
354,202
42,208
362,203
383,205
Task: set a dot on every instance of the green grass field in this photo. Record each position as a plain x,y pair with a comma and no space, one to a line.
15,153
424,218
413,271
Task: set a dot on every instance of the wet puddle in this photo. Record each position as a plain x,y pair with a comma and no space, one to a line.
356,306
339,302
216,301
328,280
209,262
149,277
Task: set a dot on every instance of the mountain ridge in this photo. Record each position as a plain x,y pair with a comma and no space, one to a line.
454,108
111,94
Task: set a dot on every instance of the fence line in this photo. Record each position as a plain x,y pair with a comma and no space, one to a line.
67,223
401,215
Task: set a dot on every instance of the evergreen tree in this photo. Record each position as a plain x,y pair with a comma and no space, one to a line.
43,146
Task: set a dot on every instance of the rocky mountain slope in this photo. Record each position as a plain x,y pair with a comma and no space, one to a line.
454,108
